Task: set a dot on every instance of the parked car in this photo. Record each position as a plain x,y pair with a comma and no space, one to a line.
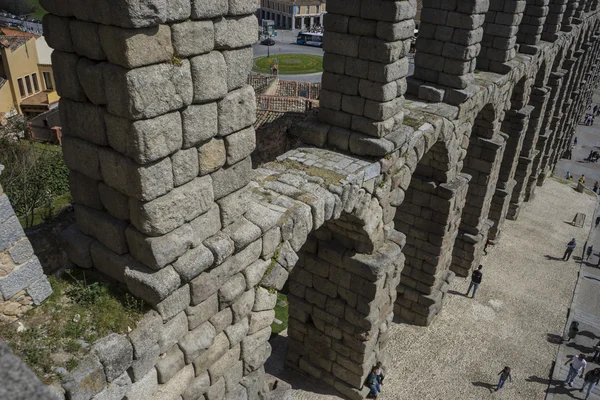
268,42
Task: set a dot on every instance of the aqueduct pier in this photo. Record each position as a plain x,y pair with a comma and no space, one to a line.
398,186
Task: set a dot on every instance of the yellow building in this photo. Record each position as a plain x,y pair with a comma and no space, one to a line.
292,14
26,78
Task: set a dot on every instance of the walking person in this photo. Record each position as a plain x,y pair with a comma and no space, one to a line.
570,247
504,375
380,376
588,252
373,383
597,221
595,188
569,177
476,277
582,180
597,353
591,379
577,366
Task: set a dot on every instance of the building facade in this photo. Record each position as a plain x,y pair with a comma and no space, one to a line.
26,76
292,14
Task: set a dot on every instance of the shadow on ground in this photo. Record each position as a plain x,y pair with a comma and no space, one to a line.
489,386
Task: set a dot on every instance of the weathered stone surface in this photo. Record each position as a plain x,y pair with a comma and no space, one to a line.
214,352
237,111
116,390
199,314
209,9
255,272
144,388
197,388
194,262
84,121
172,332
108,230
169,365
240,145
86,380
81,156
180,205
192,38
152,286
243,305
233,206
209,81
228,180
175,303
145,182
148,92
21,251
21,277
239,64
157,252
147,140
142,365
77,245
200,123
211,156
91,79
39,290
131,48
235,32
236,332
146,334
115,353
108,262
173,389
185,166
264,300
196,341
115,202
231,290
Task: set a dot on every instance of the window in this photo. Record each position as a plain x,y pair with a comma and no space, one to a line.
317,9
28,83
308,9
48,81
21,87
36,84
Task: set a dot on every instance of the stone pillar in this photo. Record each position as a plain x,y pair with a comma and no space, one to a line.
557,82
447,47
482,162
341,307
532,26
22,280
556,11
430,216
568,16
498,45
365,64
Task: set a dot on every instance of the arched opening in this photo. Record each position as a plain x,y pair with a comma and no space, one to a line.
429,217
529,151
482,163
513,127
554,20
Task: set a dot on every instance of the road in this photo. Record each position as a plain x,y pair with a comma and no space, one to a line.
285,43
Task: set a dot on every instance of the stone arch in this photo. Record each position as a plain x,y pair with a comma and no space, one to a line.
498,45
514,127
429,217
529,151
483,157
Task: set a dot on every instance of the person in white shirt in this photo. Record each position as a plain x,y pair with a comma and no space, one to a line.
577,366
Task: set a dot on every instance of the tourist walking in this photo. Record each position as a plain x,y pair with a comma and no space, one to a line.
504,375
588,252
569,177
582,180
476,277
595,188
597,221
577,366
373,383
570,247
380,376
591,379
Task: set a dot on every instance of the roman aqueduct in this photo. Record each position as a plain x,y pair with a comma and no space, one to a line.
399,184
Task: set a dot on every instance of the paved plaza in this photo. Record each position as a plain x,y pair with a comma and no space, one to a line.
519,312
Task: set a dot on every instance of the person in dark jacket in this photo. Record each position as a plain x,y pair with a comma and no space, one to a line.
504,375
570,247
591,378
475,281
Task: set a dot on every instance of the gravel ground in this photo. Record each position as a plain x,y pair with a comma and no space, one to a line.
520,307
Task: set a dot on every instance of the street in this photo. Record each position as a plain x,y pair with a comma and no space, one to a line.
285,43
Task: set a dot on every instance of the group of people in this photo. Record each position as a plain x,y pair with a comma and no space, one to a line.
593,156
588,120
374,381
577,366
581,180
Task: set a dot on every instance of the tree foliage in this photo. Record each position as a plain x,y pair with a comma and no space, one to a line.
33,175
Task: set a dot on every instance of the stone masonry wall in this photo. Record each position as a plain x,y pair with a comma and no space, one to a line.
22,280
158,137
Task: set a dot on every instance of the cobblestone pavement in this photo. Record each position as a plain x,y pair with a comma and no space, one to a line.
587,292
515,319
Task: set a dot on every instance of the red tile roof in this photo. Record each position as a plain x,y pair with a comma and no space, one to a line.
13,32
